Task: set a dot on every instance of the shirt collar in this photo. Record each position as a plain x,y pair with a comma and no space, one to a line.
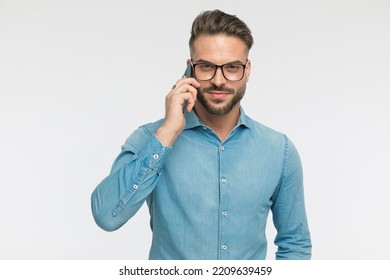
192,119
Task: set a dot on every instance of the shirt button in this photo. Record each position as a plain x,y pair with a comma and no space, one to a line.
224,247
222,148
135,187
223,180
224,213
155,156
204,128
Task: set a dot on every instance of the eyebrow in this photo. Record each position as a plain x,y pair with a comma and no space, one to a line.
206,61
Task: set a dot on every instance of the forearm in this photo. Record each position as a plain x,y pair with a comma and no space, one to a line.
166,135
134,175
293,238
120,195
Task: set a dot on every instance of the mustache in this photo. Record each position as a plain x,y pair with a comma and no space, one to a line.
221,88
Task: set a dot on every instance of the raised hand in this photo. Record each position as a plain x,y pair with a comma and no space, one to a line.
181,97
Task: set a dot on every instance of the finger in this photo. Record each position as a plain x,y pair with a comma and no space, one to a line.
190,81
187,88
180,98
194,92
190,106
187,100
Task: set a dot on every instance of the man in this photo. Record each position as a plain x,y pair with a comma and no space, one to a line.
208,172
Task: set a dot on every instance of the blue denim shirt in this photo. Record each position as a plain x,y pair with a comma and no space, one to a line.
209,199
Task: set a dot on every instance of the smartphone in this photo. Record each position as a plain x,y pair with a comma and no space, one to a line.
188,73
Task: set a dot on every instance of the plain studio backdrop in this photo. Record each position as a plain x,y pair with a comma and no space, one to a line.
77,77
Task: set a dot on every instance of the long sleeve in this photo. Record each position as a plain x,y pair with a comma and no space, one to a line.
133,177
288,209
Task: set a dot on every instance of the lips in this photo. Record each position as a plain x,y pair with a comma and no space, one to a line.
218,94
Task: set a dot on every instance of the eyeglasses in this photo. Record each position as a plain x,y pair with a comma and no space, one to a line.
205,71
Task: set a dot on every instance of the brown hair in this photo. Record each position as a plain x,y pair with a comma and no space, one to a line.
217,22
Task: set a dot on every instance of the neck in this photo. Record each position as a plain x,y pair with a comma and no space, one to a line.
221,125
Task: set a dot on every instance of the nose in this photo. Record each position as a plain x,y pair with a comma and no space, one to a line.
218,78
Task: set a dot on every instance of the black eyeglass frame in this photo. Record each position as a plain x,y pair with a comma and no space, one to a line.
193,65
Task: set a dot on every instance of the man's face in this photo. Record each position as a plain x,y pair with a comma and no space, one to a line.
219,95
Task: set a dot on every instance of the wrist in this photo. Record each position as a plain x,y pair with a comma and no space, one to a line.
166,135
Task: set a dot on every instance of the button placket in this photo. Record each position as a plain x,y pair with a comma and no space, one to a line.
225,194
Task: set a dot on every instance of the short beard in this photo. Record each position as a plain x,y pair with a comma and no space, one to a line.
220,111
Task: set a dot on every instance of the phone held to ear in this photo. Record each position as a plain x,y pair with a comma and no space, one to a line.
188,73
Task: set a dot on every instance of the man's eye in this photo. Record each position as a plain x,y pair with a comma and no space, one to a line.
233,67
206,67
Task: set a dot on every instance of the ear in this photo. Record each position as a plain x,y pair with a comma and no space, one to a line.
247,70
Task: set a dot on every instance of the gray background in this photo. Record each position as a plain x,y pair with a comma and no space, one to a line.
77,77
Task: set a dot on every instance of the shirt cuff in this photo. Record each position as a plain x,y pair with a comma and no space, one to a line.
154,154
